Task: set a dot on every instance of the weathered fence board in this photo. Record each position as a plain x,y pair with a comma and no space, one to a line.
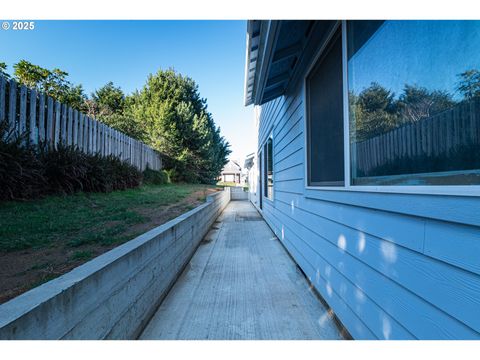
57,124
22,125
12,106
69,126
51,122
49,132
2,98
63,125
32,119
41,118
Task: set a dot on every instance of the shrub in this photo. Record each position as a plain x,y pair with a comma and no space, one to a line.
155,177
28,171
65,169
68,170
21,171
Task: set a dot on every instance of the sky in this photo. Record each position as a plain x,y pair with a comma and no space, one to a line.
126,52
430,54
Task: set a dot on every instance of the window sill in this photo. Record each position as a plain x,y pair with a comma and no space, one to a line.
460,205
444,190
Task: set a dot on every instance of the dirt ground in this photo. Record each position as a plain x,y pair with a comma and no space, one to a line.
18,275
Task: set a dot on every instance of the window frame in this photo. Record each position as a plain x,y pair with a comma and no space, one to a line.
326,46
451,190
265,167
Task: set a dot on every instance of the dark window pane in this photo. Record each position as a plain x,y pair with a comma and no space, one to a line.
325,117
270,168
414,98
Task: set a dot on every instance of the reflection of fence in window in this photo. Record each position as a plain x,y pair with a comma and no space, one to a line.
448,141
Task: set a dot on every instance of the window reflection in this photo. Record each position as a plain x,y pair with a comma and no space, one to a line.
414,100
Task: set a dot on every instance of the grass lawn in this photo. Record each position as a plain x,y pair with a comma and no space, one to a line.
42,239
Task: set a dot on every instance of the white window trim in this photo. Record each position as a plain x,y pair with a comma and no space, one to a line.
264,150
453,190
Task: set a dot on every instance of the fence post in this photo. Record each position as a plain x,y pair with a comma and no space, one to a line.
90,135
22,124
85,133
63,125
70,126
12,106
2,98
75,128
94,137
32,123
41,117
81,126
49,134
57,123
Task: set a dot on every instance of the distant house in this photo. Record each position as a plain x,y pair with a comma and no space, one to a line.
365,169
232,172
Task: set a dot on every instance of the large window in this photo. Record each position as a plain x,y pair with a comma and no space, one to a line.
268,168
325,142
414,103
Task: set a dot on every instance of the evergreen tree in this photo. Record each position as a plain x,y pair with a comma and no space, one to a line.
175,121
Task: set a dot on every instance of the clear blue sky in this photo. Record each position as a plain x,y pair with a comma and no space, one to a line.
430,54
125,52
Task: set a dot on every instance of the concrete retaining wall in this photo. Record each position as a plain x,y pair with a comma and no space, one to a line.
114,295
237,193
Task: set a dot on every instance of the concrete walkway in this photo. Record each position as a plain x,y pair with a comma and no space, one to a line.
241,284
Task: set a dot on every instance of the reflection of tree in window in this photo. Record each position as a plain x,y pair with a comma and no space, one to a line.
430,134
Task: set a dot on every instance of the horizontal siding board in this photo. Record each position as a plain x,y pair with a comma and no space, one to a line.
416,314
293,172
344,312
294,145
342,309
293,132
288,119
378,321
452,290
455,244
437,207
294,158
294,185
401,229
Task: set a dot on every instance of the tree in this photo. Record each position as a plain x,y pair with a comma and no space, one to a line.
374,110
469,83
175,121
52,82
417,102
109,99
3,70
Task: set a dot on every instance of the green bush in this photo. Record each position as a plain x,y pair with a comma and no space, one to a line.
21,171
28,171
155,177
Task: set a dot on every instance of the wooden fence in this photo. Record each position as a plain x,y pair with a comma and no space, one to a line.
433,136
44,120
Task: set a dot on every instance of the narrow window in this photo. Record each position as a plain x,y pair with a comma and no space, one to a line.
268,168
325,142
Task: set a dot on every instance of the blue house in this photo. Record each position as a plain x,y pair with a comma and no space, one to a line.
368,167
